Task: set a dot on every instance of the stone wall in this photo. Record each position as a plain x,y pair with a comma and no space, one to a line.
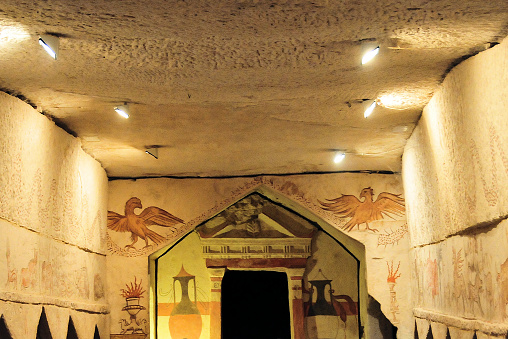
384,262
52,221
455,173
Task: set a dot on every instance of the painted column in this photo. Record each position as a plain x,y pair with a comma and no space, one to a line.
216,275
295,284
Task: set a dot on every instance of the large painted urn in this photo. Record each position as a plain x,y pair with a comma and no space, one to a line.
185,320
321,320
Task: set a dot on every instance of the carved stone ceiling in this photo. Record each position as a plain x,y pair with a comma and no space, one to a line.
239,87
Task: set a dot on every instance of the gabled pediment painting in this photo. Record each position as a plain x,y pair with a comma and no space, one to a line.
256,217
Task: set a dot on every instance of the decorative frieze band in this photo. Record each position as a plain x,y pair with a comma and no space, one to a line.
255,248
462,323
21,298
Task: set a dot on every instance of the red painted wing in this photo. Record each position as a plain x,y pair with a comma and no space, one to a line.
117,222
344,206
388,204
157,216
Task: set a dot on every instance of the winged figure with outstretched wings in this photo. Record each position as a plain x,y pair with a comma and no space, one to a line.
137,223
363,212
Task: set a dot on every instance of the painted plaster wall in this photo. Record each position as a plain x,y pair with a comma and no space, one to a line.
455,173
186,254
196,200
332,262
52,221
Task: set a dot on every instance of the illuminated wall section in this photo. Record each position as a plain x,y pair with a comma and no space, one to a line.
53,228
455,170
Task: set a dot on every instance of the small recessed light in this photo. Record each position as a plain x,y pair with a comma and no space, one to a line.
370,105
154,152
123,111
369,55
339,156
50,43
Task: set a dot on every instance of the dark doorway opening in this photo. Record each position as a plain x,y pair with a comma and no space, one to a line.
255,304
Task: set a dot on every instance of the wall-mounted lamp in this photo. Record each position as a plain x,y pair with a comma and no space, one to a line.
123,111
50,43
369,106
154,152
369,54
339,156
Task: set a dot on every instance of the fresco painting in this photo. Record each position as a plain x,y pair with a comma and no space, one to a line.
185,320
330,296
393,275
132,293
137,224
366,211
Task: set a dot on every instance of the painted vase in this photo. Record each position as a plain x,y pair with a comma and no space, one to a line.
185,320
321,320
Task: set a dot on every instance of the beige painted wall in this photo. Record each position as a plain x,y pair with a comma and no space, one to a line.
455,172
52,221
196,200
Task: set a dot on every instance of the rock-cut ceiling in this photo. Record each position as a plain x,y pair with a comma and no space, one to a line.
242,87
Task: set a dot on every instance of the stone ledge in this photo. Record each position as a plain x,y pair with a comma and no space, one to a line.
462,323
22,298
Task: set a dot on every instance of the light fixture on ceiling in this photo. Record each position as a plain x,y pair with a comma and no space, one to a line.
123,111
339,156
153,151
369,106
369,54
50,43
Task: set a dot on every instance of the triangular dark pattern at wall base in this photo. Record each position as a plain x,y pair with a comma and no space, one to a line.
448,334
71,330
96,334
430,335
416,332
4,331
43,331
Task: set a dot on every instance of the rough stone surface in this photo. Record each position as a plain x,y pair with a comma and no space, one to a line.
455,171
456,164
242,87
52,217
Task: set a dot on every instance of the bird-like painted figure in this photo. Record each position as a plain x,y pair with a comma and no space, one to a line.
363,212
137,224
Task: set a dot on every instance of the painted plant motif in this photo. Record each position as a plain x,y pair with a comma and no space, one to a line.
138,224
458,277
132,294
393,275
368,210
432,270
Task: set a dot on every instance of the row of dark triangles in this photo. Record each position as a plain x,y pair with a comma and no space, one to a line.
43,331
431,336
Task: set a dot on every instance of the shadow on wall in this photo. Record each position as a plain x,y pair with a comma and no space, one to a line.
380,326
4,331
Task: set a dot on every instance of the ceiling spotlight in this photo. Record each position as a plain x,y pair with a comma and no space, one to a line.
369,55
50,43
369,107
123,111
154,152
339,156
